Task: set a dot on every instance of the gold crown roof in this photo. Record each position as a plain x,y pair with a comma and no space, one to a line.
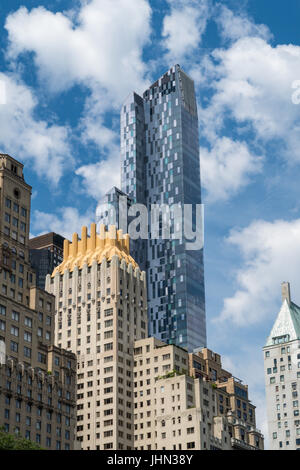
106,244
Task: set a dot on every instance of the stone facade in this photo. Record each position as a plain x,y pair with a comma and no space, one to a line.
101,307
178,409
37,380
282,376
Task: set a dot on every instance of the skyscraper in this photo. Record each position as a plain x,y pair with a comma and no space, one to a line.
160,165
282,376
37,379
101,308
113,209
46,252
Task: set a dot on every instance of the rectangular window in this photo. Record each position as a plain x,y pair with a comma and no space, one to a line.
2,310
15,316
14,346
28,322
14,331
27,336
27,352
42,358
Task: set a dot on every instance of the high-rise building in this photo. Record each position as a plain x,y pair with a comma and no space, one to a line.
101,309
108,209
114,209
160,166
46,252
37,379
282,376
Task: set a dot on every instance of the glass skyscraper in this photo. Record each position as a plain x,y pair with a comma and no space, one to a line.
160,165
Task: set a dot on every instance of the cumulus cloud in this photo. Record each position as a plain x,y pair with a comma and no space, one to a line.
99,44
251,86
28,138
230,163
234,26
183,28
67,221
99,177
270,252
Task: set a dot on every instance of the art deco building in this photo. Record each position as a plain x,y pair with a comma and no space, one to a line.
282,376
160,165
101,307
37,379
46,252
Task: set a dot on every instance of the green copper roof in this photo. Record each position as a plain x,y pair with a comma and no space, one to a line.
287,324
295,314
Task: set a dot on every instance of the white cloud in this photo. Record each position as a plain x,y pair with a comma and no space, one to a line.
251,88
235,26
99,177
67,221
230,164
26,137
99,44
183,28
270,253
252,84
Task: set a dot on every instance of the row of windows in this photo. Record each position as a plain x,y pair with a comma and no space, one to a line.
49,414
48,440
16,208
281,378
27,320
15,222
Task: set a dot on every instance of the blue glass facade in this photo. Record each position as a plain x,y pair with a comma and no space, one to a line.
160,165
113,209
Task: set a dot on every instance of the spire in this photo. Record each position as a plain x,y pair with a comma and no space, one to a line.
287,324
286,292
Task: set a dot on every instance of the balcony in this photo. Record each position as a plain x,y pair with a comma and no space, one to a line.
241,445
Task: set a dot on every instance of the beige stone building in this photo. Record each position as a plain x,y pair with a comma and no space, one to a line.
37,379
135,392
101,309
177,408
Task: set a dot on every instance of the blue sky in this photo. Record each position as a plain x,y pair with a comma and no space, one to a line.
68,65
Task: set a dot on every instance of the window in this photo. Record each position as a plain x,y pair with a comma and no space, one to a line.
27,336
14,331
14,346
28,322
2,310
27,352
108,312
42,358
15,316
190,445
